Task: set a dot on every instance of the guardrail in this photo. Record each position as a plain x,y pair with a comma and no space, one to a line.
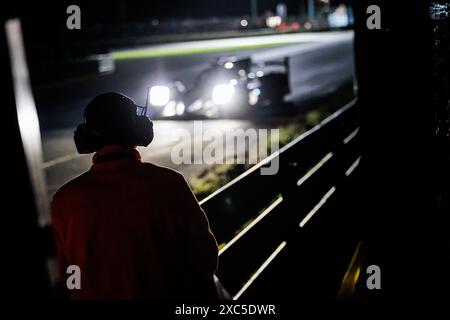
267,224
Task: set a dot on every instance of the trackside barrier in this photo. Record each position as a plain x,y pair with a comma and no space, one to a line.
262,219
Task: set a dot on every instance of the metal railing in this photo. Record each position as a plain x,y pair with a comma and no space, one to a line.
261,220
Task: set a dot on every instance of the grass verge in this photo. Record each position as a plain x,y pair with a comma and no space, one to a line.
180,51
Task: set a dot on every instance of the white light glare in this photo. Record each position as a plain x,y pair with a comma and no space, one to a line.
274,21
229,65
223,93
159,96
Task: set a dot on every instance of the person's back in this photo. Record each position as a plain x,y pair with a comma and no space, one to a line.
134,229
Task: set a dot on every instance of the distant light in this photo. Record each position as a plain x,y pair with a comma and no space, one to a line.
244,23
233,82
180,108
253,96
223,93
229,65
155,22
159,96
274,21
339,18
259,74
308,25
242,72
170,109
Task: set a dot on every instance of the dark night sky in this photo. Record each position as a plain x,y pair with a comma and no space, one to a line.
43,19
201,8
114,11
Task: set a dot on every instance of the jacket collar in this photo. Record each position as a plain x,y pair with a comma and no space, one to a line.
115,152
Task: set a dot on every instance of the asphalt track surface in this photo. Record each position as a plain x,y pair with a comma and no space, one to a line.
319,64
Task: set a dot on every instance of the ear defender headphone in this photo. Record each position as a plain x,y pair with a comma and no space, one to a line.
84,140
89,139
144,130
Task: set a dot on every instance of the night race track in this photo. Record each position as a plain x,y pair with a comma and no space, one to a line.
319,64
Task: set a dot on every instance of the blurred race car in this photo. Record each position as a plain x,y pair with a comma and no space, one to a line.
231,87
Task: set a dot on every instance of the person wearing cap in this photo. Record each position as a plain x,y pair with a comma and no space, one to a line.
134,229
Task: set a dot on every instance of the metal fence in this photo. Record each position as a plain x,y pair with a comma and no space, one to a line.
256,218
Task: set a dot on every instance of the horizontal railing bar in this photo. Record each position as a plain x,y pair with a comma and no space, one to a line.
352,167
314,169
317,207
252,224
351,136
260,270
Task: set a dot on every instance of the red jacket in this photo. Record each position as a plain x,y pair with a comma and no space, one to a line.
135,230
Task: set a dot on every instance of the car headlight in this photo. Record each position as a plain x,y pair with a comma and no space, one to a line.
223,93
159,96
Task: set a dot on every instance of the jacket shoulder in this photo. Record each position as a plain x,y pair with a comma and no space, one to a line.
70,185
162,171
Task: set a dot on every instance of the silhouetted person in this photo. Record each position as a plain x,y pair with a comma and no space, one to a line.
134,229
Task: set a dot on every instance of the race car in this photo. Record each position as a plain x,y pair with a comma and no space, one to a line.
232,87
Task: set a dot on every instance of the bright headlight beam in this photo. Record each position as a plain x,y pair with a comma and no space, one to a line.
223,93
159,96
229,65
